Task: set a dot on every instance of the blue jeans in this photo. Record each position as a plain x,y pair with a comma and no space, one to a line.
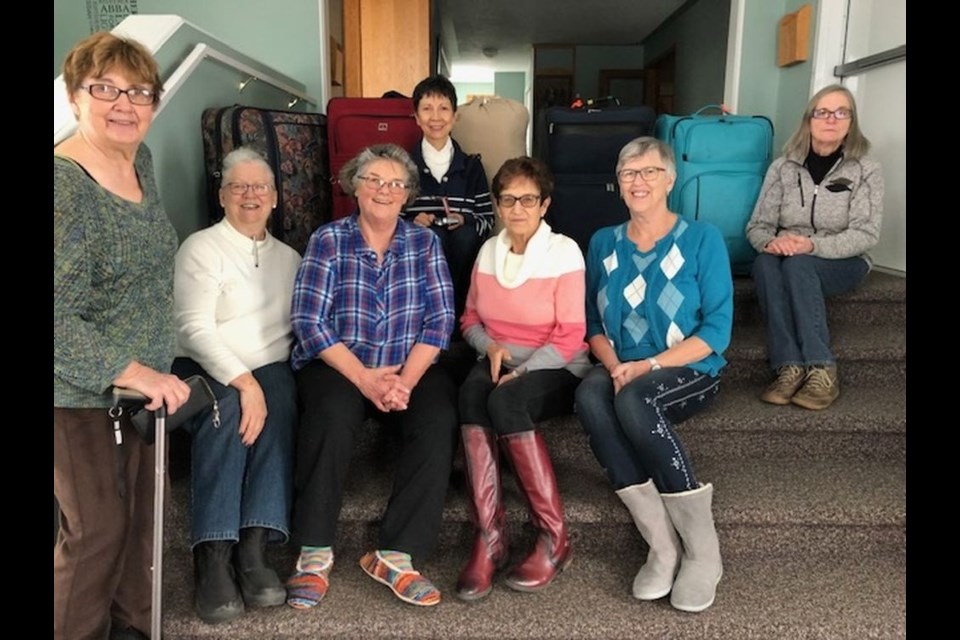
792,292
233,486
631,433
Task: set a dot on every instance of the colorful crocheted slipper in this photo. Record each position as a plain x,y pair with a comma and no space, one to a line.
305,589
408,585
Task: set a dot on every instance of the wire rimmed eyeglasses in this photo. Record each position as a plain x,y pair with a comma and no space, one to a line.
241,188
110,93
376,183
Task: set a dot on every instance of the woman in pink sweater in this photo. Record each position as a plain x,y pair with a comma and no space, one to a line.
525,318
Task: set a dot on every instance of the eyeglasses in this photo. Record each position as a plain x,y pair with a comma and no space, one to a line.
649,174
528,200
840,114
110,93
376,183
240,188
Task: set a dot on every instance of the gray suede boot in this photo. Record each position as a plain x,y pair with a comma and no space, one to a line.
701,567
655,578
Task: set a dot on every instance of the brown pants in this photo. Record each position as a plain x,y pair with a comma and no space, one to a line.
103,555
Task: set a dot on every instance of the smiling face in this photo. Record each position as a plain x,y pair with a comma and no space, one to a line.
381,204
248,212
119,124
828,134
642,196
435,116
520,221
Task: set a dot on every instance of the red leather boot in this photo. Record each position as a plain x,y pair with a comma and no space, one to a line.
551,553
483,486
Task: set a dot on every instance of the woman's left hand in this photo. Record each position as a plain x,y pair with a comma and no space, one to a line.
626,372
253,408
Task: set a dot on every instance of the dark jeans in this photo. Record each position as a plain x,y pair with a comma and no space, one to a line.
792,291
632,433
460,247
233,486
104,550
515,405
333,410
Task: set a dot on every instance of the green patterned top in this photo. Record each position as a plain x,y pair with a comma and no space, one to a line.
112,283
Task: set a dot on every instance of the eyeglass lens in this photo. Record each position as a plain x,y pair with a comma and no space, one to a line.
527,200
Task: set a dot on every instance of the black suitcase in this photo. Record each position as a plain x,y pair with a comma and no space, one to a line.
582,149
294,143
588,140
581,204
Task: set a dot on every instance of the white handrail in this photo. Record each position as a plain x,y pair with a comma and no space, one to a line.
201,52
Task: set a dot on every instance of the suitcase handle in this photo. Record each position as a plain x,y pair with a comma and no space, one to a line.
719,107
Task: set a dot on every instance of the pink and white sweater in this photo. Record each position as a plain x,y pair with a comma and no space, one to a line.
539,315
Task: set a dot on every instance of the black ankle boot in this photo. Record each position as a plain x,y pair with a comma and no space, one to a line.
216,597
259,583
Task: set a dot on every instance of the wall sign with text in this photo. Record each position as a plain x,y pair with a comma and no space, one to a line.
104,15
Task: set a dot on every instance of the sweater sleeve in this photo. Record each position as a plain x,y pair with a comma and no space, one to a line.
470,325
765,220
863,230
197,285
479,190
716,291
567,338
594,280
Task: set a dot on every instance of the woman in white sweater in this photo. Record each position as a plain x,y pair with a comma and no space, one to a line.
232,289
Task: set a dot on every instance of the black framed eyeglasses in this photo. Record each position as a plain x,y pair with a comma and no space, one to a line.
528,200
840,114
376,183
110,93
649,174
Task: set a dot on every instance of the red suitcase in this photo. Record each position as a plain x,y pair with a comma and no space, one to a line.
356,123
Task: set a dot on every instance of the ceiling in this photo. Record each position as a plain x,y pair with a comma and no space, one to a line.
509,27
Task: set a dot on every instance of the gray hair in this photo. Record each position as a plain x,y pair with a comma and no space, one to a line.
644,145
358,167
855,145
239,156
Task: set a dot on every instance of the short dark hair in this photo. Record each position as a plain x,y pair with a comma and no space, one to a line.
435,86
524,167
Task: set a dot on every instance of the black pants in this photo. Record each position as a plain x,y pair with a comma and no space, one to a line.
460,248
516,405
333,410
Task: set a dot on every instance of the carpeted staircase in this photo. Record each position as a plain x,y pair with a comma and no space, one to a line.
810,509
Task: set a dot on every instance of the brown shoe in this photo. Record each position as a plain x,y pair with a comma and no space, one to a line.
789,378
819,390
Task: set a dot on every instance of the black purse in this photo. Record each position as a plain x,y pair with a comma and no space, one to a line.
133,402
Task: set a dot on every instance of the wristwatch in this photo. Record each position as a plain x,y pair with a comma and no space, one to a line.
654,365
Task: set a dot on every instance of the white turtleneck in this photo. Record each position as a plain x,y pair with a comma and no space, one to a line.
438,161
232,300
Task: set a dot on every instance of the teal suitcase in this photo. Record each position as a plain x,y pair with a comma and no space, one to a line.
721,161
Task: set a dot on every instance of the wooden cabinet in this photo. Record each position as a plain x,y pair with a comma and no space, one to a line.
386,46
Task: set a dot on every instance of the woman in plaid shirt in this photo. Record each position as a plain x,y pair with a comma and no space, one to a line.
372,309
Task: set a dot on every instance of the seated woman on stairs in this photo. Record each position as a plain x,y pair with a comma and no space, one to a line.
659,316
525,319
818,213
232,289
372,309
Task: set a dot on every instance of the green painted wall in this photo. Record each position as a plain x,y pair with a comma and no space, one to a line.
698,32
510,84
766,89
283,34
591,59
